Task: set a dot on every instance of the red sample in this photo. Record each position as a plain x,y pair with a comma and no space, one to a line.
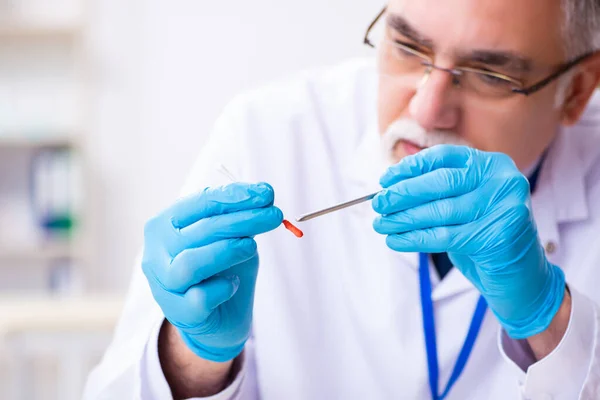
290,227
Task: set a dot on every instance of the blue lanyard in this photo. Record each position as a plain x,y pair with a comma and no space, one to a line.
429,328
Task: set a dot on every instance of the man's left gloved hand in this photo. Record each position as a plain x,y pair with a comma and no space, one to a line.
475,206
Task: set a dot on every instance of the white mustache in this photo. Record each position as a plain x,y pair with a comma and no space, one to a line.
409,130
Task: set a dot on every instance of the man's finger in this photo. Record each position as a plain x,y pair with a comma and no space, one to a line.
191,309
195,265
446,212
219,200
245,223
211,293
431,240
427,160
438,184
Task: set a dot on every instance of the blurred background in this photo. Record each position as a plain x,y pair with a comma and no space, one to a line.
104,105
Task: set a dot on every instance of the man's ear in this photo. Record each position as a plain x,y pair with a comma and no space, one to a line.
584,83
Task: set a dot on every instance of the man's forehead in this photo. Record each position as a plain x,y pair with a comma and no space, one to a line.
531,27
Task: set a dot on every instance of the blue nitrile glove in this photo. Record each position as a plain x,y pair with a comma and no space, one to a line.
475,206
201,261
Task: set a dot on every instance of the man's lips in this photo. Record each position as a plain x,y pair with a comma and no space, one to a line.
408,148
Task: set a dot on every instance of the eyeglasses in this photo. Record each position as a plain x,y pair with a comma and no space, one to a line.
411,67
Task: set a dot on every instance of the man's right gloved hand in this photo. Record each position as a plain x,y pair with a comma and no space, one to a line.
201,262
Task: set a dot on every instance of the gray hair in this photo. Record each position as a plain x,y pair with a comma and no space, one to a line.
581,26
581,30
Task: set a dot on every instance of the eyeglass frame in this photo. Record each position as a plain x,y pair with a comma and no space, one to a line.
561,69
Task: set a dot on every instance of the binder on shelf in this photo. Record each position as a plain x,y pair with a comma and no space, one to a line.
55,192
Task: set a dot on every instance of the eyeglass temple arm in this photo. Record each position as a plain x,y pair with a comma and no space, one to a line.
544,82
366,39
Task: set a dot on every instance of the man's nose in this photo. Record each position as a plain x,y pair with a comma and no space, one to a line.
431,106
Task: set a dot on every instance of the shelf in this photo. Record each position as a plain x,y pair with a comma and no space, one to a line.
13,141
44,313
30,30
37,254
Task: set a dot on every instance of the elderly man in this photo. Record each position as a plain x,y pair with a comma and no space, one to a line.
484,285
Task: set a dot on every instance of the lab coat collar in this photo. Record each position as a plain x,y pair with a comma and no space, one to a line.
560,196
566,176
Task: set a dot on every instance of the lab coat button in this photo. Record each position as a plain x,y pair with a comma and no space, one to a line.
550,247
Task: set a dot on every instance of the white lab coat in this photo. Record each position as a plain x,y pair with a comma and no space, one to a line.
337,314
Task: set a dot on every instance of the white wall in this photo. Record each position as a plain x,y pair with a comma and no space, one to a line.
164,71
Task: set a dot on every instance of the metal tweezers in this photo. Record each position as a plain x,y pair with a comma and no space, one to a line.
315,214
